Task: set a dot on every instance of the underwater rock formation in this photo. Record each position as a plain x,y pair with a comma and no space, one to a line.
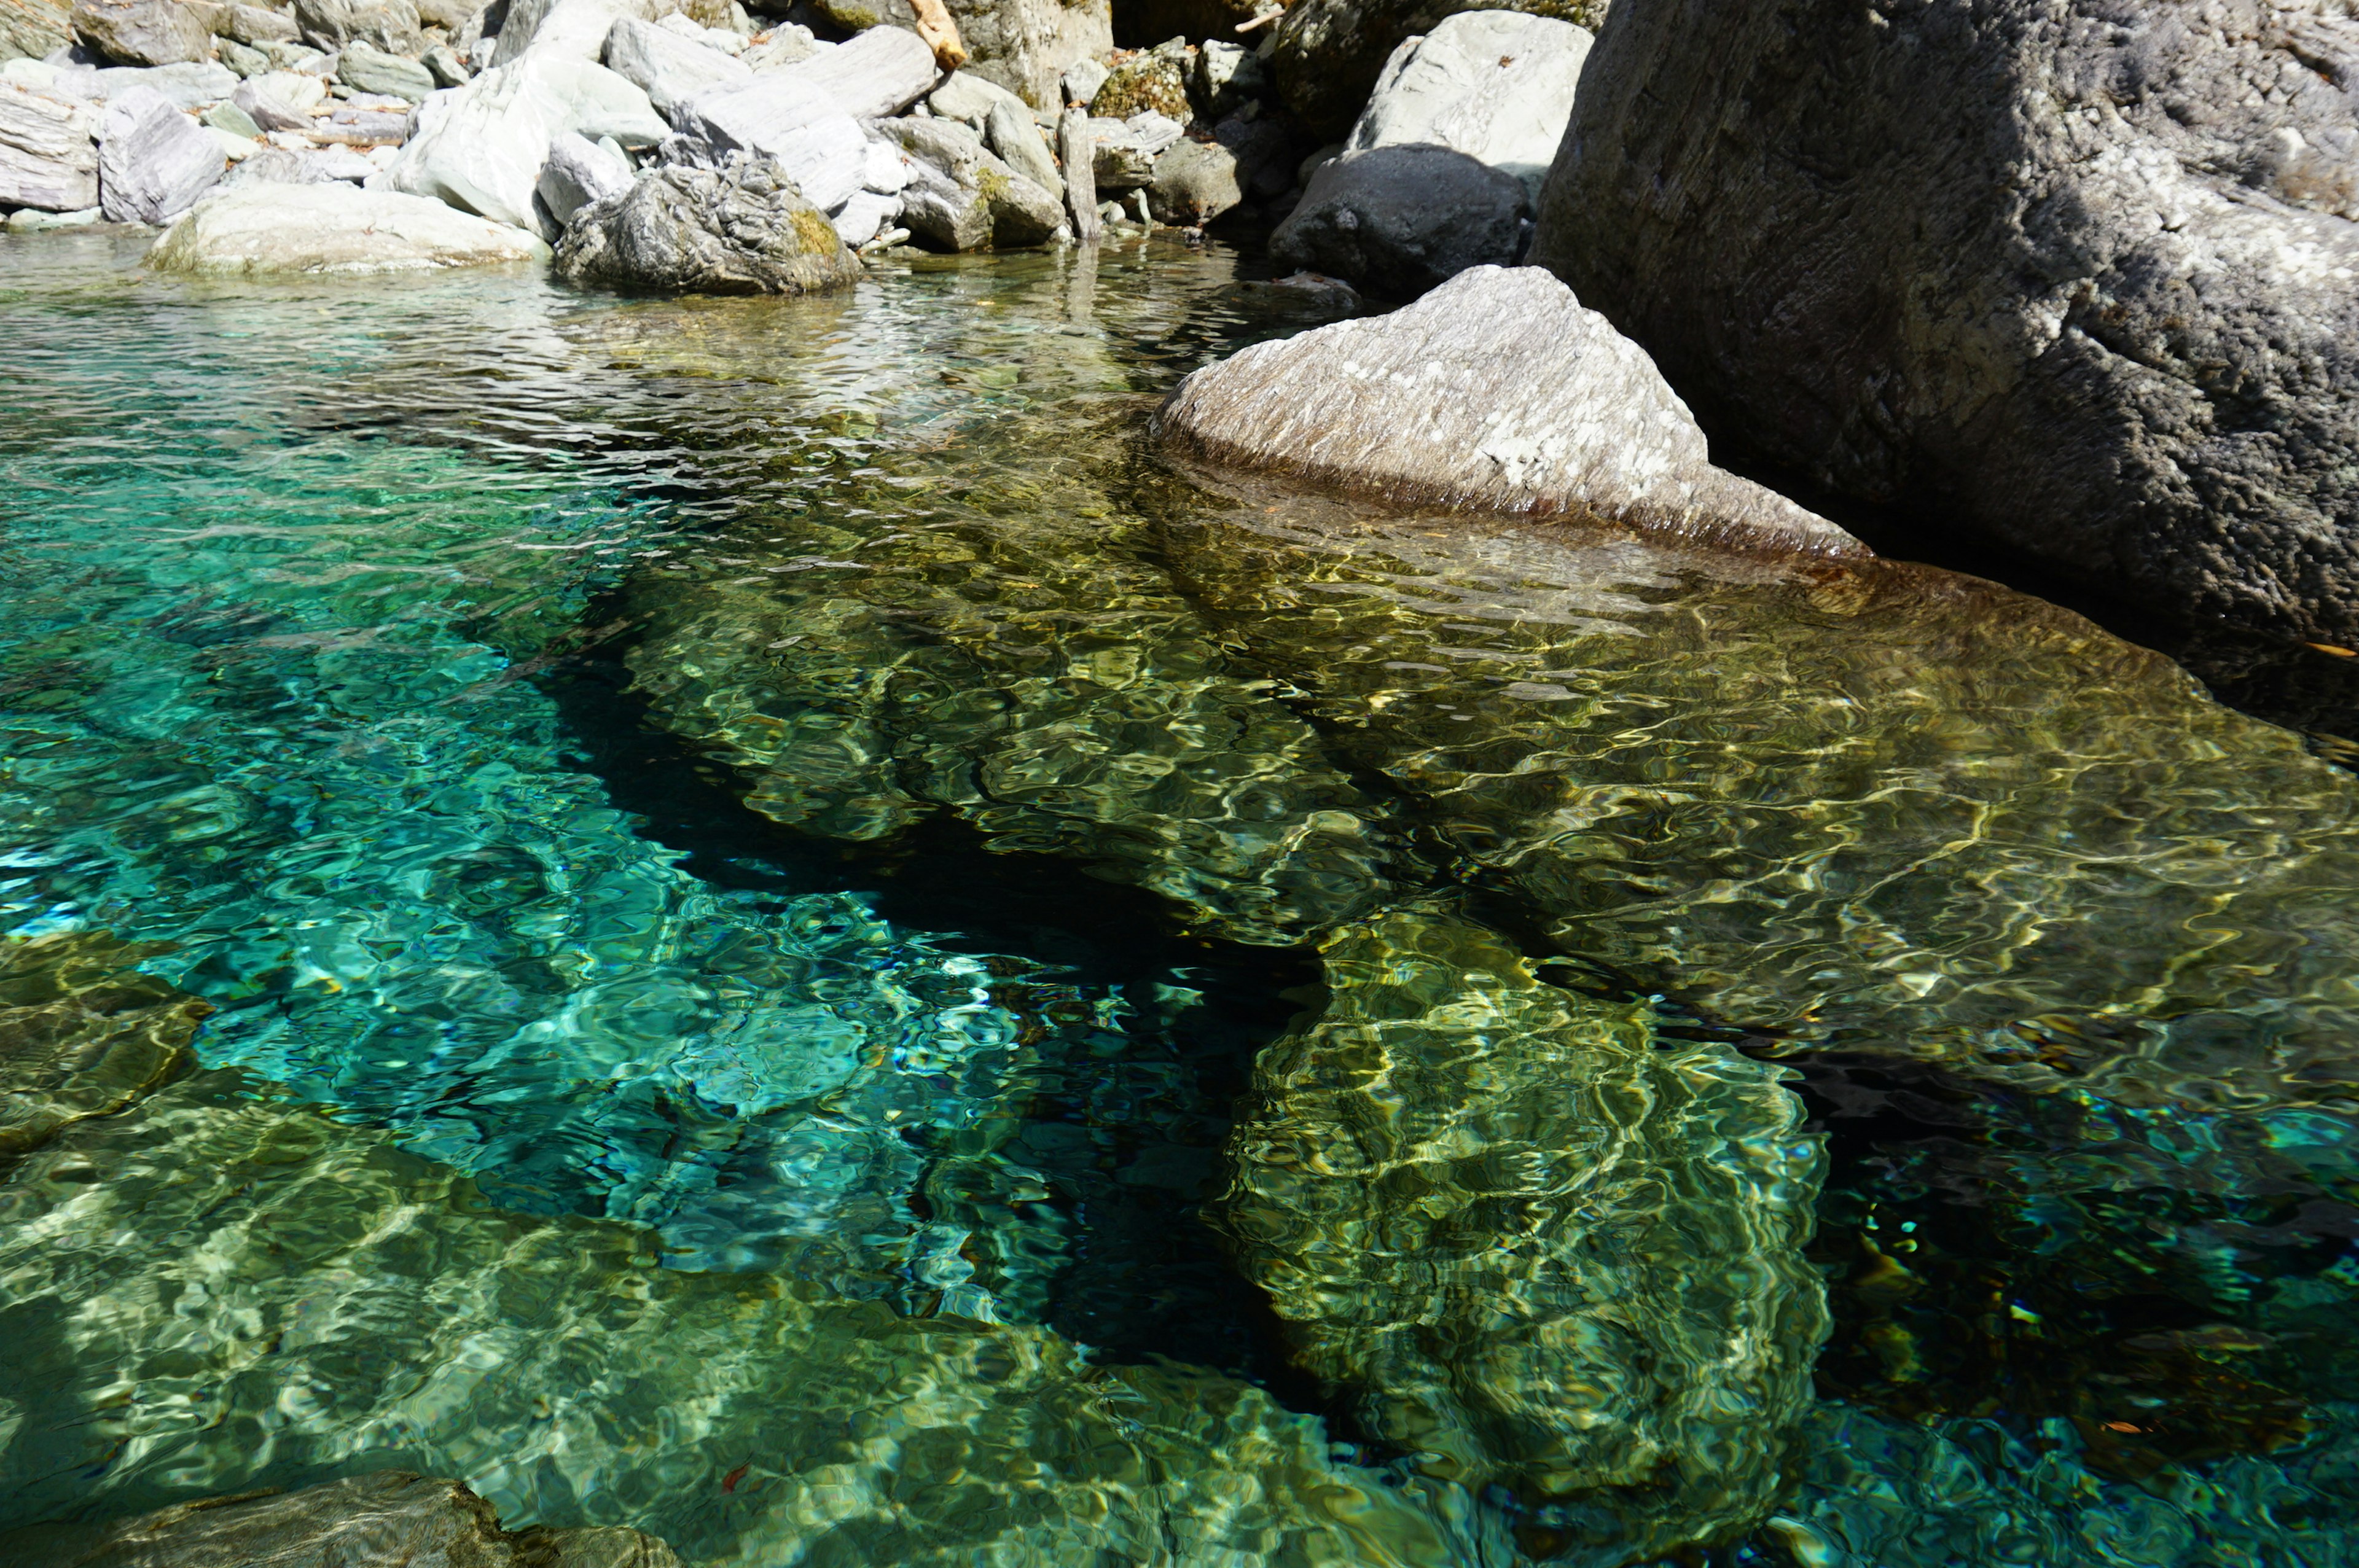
1533,1242
257,1291
83,1033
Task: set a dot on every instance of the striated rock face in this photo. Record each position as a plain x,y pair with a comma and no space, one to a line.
1330,53
1497,391
83,1033
2075,274
143,32
267,227
1532,1242
386,1517
390,25
743,230
153,160
670,69
31,28
49,151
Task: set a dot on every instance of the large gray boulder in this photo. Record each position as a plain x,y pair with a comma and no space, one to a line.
1496,85
153,160
670,69
142,32
386,1517
1022,45
1329,53
1397,221
364,66
281,99
481,146
391,24
881,72
1498,391
741,229
189,84
30,29
48,153
284,166
961,198
270,227
2072,274
252,25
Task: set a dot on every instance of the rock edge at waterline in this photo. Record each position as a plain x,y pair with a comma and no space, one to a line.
334,228
1496,392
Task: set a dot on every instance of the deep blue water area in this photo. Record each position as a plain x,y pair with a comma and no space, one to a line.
732,871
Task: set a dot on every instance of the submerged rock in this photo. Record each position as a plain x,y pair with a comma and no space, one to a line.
270,226
743,230
1497,391
49,152
2074,275
83,1033
385,1516
1533,1243
1328,54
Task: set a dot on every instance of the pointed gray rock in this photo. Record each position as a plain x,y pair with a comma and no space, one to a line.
1497,391
579,172
153,160
670,69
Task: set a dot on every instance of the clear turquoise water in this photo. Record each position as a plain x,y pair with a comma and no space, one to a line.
743,853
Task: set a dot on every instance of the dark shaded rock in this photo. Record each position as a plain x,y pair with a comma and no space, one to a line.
961,198
744,230
391,24
1194,182
1572,1268
388,1517
2075,274
142,32
1143,24
1397,221
1330,52
1497,391
1228,76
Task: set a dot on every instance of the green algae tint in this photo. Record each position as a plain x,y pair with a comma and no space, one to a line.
743,918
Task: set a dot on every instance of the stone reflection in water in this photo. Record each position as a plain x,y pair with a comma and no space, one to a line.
1006,648
1535,1244
208,1292
1882,806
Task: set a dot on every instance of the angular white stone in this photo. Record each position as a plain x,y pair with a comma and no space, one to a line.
884,168
579,171
153,160
281,99
865,216
481,146
577,28
1496,85
1498,391
334,228
48,153
881,72
670,69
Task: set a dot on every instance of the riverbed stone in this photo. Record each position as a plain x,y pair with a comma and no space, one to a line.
881,72
1328,54
962,198
2074,278
286,166
1123,152
670,69
30,29
189,85
581,171
481,146
1023,46
743,229
1497,391
1399,221
1194,182
1154,79
1496,85
281,99
1227,77
390,25
142,32
332,226
83,1033
1014,136
1533,1243
252,25
49,151
383,1517
370,69
153,160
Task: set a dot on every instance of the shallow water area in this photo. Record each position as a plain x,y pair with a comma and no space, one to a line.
744,918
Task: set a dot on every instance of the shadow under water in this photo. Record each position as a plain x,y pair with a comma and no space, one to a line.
743,918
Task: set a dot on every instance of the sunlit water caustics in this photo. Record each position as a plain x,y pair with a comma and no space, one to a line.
744,918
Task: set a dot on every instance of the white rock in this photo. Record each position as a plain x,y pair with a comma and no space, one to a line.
786,44
967,97
235,148
1496,85
481,146
189,85
884,168
281,99
669,68
1498,391
334,228
32,220
865,215
153,160
880,72
38,74
579,171
49,155
720,39
280,166
827,159
576,29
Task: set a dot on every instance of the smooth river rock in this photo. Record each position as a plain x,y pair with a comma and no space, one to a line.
882,72
2075,275
48,153
385,1518
333,227
1532,1242
1498,391
743,229
670,69
1329,53
153,160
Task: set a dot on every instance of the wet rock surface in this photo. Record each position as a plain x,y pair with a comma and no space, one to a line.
2071,276
743,230
1498,391
1535,1245
83,1033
